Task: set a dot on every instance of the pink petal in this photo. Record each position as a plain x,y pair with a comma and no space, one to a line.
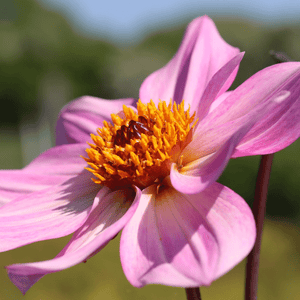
51,213
205,158
271,97
201,54
263,98
17,183
52,167
223,129
83,116
279,128
110,212
60,160
218,101
186,240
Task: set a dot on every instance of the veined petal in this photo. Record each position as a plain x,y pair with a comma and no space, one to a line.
186,240
83,116
205,158
17,183
201,54
51,213
279,128
263,98
110,212
51,168
271,97
60,160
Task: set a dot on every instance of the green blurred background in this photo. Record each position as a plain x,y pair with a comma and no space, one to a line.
46,65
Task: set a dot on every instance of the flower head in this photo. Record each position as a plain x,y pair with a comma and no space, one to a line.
153,165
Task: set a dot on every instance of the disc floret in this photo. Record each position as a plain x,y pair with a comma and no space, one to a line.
138,147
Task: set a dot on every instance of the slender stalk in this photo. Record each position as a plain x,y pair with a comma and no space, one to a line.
193,294
259,210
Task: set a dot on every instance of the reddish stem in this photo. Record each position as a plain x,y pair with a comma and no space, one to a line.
259,210
193,294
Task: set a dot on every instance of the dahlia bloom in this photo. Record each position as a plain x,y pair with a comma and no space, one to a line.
154,165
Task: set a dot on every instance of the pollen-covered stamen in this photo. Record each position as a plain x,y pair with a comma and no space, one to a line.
139,148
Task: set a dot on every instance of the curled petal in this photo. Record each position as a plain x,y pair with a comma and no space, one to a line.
280,127
247,111
47,214
201,167
109,214
271,98
201,54
218,85
83,116
51,168
186,240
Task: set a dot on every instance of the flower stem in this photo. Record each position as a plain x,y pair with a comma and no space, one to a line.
193,294
259,210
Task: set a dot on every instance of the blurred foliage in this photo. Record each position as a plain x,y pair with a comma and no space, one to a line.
40,55
36,42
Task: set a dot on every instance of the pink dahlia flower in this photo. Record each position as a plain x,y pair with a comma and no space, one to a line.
154,166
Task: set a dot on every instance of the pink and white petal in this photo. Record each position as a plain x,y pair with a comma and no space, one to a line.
50,213
186,240
271,96
83,116
201,54
51,168
110,213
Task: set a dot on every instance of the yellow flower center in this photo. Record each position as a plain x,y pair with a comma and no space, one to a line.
139,147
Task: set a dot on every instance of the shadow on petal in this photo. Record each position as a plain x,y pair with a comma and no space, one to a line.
81,191
170,241
105,220
50,213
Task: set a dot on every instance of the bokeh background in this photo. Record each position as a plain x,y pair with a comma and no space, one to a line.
52,51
